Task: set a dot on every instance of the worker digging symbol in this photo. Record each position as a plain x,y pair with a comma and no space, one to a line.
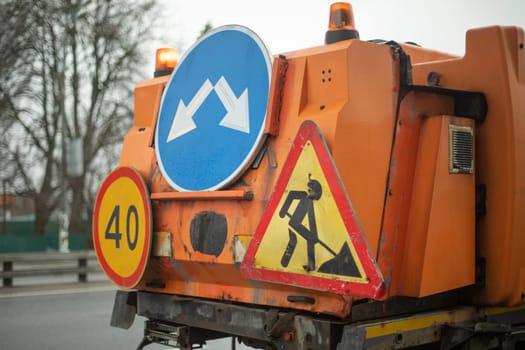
343,262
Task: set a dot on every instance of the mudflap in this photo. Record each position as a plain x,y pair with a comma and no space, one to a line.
124,309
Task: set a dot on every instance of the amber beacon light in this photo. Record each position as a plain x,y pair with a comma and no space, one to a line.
341,25
166,60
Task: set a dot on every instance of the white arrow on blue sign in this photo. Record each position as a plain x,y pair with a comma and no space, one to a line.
213,111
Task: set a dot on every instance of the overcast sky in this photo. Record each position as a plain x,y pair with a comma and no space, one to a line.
287,25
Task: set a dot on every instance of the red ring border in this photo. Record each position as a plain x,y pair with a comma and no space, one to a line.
134,279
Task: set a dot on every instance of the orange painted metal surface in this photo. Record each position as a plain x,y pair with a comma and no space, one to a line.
357,127
494,63
137,149
422,225
352,96
440,230
390,153
206,195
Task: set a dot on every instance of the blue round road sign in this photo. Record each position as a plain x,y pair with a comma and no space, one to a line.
213,111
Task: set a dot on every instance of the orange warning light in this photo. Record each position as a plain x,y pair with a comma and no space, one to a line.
341,25
341,16
166,60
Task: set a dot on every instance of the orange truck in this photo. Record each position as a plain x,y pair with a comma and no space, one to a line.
355,195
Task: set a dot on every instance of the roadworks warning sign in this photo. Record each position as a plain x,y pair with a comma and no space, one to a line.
309,235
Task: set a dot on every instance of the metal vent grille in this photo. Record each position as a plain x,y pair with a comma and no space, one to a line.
460,145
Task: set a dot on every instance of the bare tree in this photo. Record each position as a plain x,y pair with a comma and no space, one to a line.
86,59
16,55
207,27
19,47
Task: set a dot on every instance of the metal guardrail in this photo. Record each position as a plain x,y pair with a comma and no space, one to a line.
17,265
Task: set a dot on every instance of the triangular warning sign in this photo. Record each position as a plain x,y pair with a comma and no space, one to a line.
309,235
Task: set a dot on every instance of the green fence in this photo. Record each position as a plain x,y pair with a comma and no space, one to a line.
20,237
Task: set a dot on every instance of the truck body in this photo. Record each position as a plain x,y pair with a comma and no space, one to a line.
382,207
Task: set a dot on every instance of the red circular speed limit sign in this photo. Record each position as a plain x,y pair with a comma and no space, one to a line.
122,227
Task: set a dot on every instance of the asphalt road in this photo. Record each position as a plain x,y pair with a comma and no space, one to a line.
73,318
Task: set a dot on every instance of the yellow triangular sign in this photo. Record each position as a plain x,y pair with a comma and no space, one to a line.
309,235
